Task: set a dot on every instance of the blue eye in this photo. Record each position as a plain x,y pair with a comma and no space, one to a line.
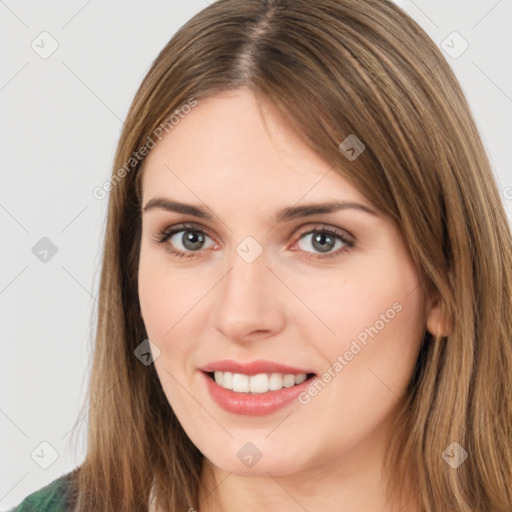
188,240
322,242
325,240
191,239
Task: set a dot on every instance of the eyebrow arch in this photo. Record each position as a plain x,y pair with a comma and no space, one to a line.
285,214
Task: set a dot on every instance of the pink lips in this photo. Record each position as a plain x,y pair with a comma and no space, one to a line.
253,367
252,404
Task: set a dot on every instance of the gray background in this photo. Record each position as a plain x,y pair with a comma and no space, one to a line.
61,118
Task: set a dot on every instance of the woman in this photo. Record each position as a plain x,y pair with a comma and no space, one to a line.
306,285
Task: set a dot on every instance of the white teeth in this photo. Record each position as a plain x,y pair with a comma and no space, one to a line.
227,380
299,379
260,383
289,381
240,383
276,382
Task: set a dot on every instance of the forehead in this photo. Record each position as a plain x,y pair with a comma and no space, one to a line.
229,143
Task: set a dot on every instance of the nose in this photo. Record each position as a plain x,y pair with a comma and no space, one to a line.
247,303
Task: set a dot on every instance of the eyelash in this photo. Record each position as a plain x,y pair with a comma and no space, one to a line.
162,236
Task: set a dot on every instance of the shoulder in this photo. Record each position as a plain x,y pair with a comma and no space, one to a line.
51,498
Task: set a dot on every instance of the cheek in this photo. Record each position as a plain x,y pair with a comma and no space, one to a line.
161,313
380,343
378,312
372,317
351,301
162,297
170,302
153,300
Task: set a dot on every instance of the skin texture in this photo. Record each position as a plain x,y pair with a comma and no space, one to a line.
285,307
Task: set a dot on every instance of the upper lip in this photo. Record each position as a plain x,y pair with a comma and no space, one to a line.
252,367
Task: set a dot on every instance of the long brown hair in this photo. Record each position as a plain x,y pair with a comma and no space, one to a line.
334,68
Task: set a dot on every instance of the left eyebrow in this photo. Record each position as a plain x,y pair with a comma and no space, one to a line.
294,212
285,214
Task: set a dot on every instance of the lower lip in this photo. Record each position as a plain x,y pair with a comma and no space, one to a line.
253,404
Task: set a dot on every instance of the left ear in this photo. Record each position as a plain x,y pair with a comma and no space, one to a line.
437,321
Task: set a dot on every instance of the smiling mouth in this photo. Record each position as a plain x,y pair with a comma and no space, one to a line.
257,384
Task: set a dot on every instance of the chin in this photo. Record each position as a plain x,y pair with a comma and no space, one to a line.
246,460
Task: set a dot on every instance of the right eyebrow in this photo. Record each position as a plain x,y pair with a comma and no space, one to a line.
285,214
161,203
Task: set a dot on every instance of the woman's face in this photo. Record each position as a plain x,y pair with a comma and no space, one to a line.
344,304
